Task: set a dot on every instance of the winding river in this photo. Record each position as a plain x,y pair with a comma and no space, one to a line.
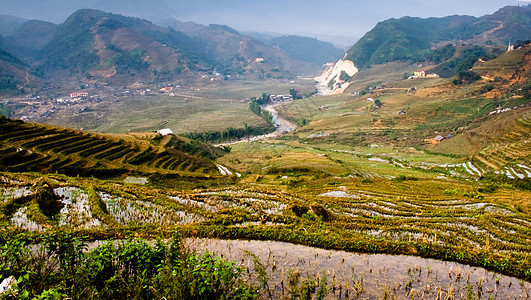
282,126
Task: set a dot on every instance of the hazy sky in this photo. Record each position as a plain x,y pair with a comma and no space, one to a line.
342,18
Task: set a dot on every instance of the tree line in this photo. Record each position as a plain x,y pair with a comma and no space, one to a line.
230,133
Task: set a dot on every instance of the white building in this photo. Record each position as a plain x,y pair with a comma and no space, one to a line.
165,131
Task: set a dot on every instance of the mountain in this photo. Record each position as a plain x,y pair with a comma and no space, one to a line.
236,53
307,49
58,10
188,28
8,24
114,48
14,74
452,43
29,38
412,39
402,39
105,45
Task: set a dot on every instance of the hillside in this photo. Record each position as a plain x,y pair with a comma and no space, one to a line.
108,46
412,39
14,74
235,53
29,38
416,176
307,49
499,142
9,24
384,126
111,48
31,147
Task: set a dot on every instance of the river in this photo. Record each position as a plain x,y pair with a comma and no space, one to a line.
282,126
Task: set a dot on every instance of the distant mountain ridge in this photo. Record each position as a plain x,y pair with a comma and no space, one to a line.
307,49
108,47
236,53
410,38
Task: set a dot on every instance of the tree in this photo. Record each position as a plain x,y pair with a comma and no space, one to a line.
468,76
8,83
293,93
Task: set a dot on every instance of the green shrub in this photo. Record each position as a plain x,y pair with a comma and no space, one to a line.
49,203
298,209
401,178
131,269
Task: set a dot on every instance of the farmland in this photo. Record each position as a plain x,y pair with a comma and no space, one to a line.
353,177
478,225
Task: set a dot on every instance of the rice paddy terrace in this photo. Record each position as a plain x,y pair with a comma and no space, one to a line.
33,147
509,153
479,225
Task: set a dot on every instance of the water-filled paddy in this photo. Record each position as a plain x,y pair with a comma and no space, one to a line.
367,276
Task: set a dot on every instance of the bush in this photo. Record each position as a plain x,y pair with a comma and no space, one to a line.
401,178
132,269
298,209
49,203
320,211
468,76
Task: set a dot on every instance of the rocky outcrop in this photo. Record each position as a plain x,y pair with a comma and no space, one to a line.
336,79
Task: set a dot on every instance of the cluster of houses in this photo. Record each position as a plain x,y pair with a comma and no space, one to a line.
377,103
78,95
422,74
280,98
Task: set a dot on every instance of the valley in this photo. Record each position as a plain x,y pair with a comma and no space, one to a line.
373,182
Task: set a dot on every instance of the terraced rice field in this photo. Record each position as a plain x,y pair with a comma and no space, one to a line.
32,147
412,217
445,221
136,212
509,154
76,211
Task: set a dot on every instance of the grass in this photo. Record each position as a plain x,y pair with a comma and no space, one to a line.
210,107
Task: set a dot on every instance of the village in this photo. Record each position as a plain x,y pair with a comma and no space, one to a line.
46,103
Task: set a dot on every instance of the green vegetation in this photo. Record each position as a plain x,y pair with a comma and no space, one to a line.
308,49
9,58
404,39
71,48
442,54
8,83
256,107
411,39
230,133
5,110
354,177
134,60
415,216
132,269
461,65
